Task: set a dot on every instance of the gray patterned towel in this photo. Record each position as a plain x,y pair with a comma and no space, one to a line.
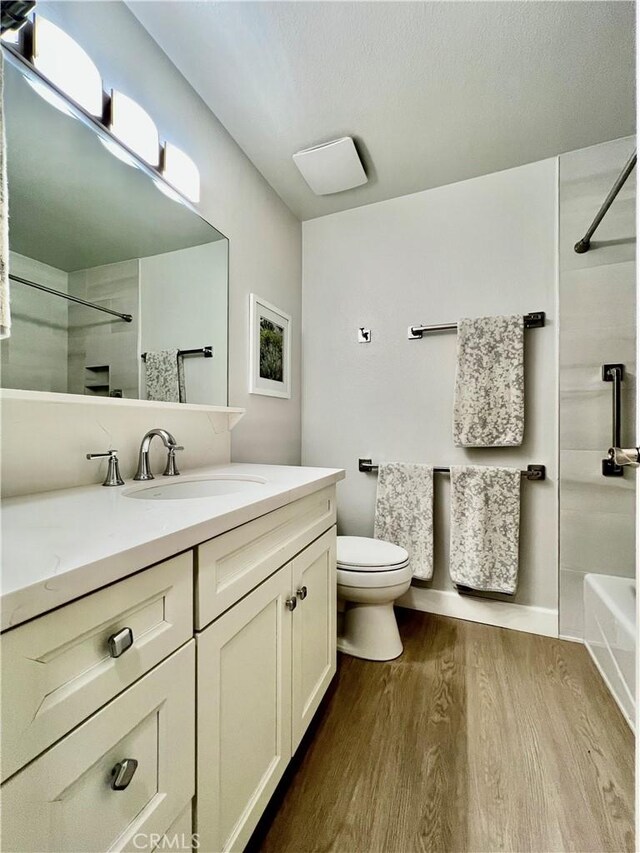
164,375
488,409
404,512
485,527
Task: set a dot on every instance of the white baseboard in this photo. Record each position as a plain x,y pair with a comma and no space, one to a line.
503,614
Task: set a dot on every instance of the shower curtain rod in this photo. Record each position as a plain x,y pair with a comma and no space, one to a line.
126,317
584,244
533,472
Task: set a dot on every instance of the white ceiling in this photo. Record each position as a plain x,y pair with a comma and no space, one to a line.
433,92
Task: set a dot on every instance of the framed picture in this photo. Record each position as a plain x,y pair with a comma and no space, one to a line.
270,349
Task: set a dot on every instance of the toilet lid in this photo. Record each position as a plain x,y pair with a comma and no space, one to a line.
361,552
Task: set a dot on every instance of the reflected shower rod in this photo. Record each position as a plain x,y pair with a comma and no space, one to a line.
126,317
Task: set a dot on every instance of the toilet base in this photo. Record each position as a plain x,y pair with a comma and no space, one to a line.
370,631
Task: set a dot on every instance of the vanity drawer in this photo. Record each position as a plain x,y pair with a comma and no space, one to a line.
64,800
59,669
232,564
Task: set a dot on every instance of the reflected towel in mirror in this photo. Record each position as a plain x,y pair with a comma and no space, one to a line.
164,376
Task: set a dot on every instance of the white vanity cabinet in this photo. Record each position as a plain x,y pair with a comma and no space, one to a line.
64,800
263,668
233,640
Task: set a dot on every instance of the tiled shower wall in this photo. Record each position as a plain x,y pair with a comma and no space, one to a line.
597,326
99,340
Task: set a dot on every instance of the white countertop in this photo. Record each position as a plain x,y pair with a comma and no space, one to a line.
57,546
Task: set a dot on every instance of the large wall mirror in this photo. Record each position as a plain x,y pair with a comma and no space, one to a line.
87,222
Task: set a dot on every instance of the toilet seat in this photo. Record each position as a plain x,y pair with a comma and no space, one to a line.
363,554
374,579
367,563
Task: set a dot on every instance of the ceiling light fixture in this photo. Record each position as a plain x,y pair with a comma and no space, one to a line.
60,59
332,167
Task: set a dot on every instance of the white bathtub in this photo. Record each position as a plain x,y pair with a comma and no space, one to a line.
609,634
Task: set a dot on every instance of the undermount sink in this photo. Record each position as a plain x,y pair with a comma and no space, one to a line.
204,487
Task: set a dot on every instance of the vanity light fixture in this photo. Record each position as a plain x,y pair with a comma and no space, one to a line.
135,128
180,170
49,95
46,54
62,61
165,189
118,151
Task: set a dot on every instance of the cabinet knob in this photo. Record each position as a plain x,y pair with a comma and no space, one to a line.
302,593
120,642
291,603
123,773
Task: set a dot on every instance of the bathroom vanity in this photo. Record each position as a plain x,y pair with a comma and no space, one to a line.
159,650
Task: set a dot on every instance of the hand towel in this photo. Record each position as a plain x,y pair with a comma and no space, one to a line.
488,409
165,376
5,310
404,512
485,527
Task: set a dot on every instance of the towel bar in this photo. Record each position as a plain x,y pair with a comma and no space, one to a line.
533,472
206,352
535,320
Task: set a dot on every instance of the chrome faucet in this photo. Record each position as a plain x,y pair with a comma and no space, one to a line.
144,471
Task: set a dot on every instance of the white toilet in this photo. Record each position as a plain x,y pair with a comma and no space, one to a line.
372,574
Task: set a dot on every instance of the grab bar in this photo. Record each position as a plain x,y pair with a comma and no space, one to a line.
614,373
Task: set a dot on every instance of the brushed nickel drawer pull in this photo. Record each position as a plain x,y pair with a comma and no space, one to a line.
291,603
123,773
302,593
120,642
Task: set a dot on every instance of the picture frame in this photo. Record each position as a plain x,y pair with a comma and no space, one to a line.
269,349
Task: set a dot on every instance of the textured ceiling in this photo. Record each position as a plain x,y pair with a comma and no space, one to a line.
433,92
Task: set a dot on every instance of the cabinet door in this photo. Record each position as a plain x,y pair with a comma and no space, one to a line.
64,800
314,629
244,713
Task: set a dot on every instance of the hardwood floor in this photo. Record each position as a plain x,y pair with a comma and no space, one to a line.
476,739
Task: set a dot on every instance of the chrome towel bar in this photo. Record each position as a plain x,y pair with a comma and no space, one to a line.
533,472
535,320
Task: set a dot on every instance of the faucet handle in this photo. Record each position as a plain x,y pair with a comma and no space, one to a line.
113,477
171,469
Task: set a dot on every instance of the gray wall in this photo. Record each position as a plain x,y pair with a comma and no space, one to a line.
183,305
483,246
597,325
264,236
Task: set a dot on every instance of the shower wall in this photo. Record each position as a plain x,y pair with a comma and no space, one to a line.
34,358
597,326
103,351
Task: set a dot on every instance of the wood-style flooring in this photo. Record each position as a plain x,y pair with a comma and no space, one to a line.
476,739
